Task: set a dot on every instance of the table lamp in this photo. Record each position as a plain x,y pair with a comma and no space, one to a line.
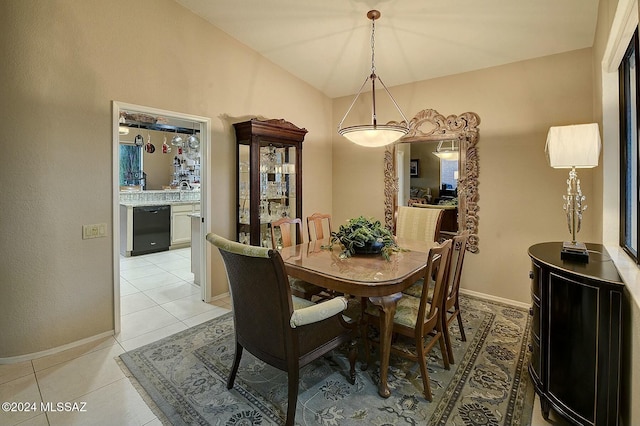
573,147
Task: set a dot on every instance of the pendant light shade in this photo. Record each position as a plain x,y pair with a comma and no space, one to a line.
446,153
374,134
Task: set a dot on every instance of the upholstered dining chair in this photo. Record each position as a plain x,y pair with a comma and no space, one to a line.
282,330
283,227
318,220
417,223
419,319
451,300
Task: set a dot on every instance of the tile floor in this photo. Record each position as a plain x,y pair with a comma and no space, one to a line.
158,298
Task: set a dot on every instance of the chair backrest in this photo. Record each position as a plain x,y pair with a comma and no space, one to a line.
418,223
458,250
284,225
261,298
437,268
318,220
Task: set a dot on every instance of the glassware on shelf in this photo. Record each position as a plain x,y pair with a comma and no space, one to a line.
266,184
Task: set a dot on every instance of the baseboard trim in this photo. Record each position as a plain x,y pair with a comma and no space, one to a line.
220,296
52,351
491,298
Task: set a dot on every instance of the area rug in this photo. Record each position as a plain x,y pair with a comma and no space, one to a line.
185,376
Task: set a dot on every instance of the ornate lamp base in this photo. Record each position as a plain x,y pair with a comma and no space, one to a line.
575,252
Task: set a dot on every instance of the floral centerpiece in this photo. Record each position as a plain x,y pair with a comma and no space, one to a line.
363,235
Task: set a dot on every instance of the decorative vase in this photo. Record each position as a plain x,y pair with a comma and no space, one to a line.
374,247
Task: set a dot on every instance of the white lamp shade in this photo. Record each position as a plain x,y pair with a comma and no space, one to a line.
370,136
573,146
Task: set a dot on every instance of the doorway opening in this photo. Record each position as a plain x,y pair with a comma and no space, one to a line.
160,162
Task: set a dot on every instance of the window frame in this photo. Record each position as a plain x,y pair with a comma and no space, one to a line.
624,83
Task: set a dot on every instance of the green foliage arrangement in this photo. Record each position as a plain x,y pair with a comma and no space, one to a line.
360,232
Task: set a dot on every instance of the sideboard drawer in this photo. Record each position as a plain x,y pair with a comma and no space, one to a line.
535,319
535,359
534,274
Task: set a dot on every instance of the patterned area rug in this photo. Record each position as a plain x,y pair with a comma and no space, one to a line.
185,376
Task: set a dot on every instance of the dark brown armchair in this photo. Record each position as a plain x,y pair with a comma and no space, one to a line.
282,330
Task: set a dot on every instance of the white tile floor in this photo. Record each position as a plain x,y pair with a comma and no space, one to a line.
158,298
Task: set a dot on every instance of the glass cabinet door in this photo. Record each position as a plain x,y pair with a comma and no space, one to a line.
244,195
269,161
277,188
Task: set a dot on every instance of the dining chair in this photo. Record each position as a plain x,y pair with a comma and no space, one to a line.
281,236
275,326
318,220
415,318
451,300
418,223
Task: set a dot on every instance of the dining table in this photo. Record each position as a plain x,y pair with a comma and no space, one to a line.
362,275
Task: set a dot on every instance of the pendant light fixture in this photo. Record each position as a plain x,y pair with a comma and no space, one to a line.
447,153
373,134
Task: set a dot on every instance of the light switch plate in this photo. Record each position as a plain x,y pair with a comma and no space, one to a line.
97,230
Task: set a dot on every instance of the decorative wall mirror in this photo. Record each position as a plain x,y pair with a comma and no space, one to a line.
429,126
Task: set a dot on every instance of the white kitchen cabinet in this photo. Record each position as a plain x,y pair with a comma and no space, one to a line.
181,224
126,230
195,246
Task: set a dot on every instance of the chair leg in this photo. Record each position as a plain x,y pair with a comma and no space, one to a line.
364,328
236,364
367,347
422,362
447,341
459,315
293,375
353,355
443,349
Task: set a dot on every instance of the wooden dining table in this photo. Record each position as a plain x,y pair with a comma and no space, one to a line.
381,281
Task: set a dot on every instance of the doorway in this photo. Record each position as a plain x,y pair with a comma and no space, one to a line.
170,120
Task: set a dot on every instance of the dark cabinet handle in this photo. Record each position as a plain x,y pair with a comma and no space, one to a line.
530,275
531,311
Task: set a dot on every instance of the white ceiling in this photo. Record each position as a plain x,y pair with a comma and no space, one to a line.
327,43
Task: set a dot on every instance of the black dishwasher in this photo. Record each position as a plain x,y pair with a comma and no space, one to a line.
151,229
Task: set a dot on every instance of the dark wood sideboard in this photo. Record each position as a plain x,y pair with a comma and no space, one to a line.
576,334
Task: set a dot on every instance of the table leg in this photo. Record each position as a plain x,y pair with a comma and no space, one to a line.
387,306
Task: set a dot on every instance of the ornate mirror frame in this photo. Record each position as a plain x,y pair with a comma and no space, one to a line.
430,126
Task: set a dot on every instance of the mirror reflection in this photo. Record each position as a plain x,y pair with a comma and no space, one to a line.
427,178
435,165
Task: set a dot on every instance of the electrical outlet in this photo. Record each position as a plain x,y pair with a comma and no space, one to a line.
97,230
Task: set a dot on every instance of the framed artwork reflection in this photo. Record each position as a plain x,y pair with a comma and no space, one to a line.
414,168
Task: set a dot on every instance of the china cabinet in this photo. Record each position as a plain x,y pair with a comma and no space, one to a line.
269,186
576,334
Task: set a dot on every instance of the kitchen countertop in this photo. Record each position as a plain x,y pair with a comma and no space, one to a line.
158,203
159,198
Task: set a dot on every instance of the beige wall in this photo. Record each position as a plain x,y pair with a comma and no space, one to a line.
520,195
64,62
